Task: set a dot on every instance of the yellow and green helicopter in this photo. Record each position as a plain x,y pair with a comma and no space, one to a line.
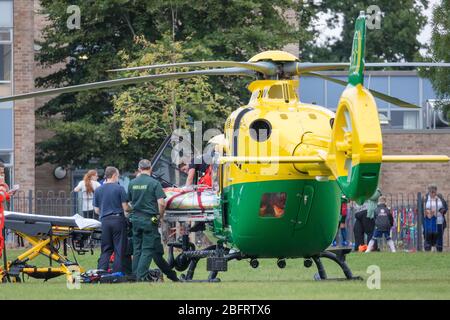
285,164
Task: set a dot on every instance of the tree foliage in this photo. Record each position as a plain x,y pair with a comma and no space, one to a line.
200,30
440,49
151,112
396,40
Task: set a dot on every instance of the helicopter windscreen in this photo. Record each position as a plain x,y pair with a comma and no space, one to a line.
164,170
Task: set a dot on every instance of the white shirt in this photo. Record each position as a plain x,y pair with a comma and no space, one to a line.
87,198
434,205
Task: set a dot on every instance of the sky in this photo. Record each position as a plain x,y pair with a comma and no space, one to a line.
425,35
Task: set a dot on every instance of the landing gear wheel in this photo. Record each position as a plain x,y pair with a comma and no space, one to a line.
254,263
308,263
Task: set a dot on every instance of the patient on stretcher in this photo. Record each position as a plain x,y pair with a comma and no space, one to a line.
190,199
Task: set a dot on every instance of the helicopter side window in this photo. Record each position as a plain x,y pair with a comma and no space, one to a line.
273,204
260,130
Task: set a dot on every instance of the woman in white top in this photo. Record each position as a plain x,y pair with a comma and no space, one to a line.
435,205
87,186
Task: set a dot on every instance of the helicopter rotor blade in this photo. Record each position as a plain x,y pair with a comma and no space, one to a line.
379,95
297,68
133,80
266,68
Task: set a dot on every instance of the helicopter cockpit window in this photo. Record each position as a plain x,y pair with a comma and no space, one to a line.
273,204
276,92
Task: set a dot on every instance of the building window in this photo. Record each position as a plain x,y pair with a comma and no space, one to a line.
6,108
6,13
5,61
6,158
5,68
404,120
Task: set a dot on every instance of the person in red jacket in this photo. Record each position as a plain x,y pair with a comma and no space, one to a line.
342,226
4,196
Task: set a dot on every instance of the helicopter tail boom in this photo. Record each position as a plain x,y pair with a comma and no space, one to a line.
292,159
318,159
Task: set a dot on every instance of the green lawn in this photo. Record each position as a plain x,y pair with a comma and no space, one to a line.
403,276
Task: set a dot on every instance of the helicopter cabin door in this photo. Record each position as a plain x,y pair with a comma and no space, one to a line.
306,199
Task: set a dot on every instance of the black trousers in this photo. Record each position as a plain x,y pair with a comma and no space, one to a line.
432,239
114,239
363,225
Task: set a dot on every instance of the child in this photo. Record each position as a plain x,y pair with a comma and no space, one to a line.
383,224
430,230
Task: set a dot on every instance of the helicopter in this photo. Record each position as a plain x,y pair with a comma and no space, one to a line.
284,164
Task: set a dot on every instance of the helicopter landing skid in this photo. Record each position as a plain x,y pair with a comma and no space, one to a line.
211,255
338,256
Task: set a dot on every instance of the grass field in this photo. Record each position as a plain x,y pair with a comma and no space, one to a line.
403,276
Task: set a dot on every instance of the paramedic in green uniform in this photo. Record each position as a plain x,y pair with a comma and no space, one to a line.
147,200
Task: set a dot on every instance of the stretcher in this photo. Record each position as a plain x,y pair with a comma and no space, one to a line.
48,235
199,198
188,215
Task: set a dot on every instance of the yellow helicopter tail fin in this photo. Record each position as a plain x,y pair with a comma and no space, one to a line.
357,59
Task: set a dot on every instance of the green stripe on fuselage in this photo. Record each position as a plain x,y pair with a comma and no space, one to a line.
299,232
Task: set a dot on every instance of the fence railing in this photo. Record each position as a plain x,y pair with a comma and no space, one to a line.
48,203
406,208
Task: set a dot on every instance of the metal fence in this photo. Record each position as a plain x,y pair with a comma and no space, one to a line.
406,208
48,203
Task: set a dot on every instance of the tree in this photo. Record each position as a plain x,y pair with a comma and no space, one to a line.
396,40
150,113
440,52
211,29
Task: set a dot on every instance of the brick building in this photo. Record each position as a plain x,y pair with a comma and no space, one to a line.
20,25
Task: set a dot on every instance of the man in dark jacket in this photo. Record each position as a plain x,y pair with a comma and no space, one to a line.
383,224
110,202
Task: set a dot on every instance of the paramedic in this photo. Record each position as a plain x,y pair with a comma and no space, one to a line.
110,203
147,201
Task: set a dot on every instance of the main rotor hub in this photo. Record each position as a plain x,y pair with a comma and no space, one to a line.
275,56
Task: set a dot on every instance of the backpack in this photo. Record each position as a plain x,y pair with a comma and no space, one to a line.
382,221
